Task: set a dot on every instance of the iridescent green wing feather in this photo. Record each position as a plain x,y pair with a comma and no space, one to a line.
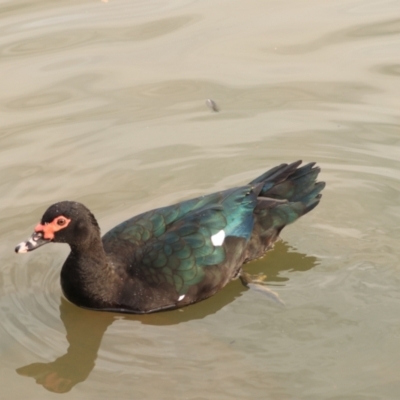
175,245
236,204
180,255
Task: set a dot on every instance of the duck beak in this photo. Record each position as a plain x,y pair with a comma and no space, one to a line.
33,243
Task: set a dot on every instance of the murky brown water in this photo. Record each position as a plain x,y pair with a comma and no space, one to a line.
104,103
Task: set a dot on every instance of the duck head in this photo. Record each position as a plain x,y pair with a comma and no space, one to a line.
65,222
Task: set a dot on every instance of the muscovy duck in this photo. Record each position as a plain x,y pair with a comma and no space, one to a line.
176,255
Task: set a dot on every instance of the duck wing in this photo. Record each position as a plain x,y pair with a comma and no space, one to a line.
175,245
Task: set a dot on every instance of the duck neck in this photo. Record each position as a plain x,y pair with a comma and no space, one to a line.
92,248
87,274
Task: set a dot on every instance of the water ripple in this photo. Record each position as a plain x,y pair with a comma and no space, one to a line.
62,40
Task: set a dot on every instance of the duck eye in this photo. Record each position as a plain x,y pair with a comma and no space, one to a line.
61,221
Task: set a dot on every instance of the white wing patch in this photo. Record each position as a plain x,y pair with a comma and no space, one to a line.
181,297
218,238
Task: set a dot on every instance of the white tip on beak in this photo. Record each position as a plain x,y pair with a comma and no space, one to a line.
22,247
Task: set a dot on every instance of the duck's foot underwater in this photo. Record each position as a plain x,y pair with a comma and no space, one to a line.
257,282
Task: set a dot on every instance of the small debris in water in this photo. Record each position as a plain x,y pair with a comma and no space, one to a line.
212,105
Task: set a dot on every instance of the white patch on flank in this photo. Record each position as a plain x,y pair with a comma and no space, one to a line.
218,238
181,297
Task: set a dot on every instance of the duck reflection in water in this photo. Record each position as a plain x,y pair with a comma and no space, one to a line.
85,328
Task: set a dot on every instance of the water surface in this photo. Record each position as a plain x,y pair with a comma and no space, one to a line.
104,102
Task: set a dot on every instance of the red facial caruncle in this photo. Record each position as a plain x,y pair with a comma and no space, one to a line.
50,228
